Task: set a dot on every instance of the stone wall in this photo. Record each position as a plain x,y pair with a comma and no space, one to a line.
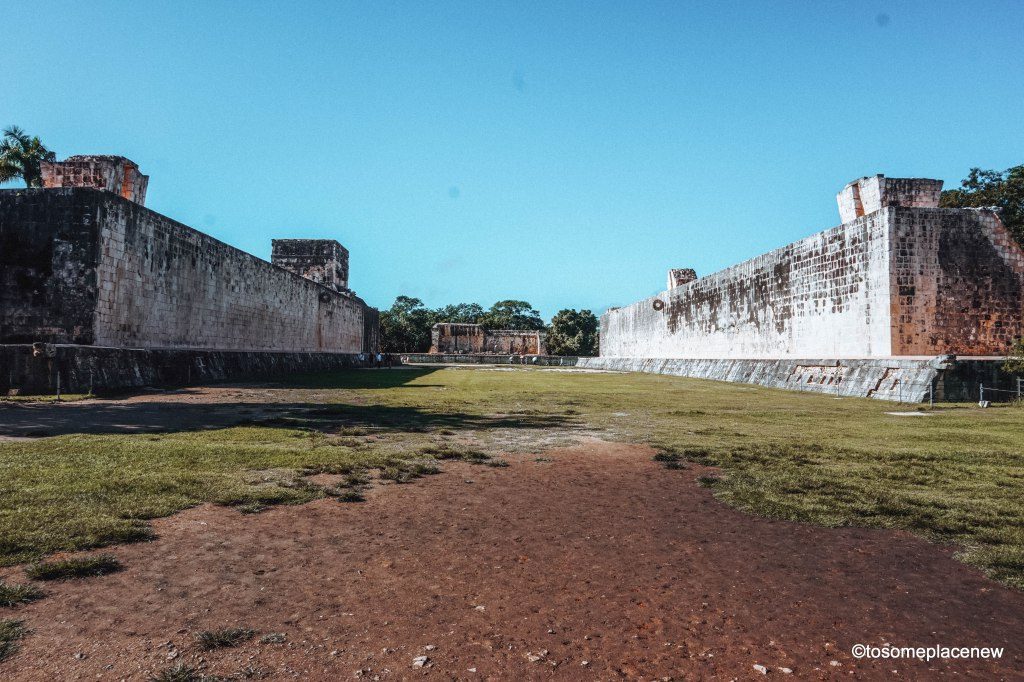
42,369
446,337
869,194
957,282
114,174
907,380
324,261
898,281
824,296
677,277
85,266
450,337
47,266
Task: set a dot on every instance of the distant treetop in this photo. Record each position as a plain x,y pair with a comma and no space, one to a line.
1001,189
20,156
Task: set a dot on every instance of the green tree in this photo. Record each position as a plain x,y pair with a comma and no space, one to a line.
512,314
20,156
1003,190
1015,361
460,313
405,327
573,332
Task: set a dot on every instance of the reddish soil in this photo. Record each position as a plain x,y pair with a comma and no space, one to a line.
601,564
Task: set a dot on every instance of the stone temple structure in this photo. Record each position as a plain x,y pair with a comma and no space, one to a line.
468,339
115,294
872,307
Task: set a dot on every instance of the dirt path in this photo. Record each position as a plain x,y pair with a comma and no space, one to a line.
598,564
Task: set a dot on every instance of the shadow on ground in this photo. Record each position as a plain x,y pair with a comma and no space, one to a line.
96,417
185,409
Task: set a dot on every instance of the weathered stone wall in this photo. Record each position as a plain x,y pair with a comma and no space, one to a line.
446,337
869,194
899,281
47,266
110,173
824,296
957,283
324,261
103,270
26,370
451,337
514,342
908,380
677,277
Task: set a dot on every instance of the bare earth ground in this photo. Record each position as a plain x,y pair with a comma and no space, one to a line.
597,563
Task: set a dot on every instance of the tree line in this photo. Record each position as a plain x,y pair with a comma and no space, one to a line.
405,327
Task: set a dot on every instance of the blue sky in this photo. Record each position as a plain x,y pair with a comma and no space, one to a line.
563,153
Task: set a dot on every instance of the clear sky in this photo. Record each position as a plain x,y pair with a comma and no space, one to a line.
563,153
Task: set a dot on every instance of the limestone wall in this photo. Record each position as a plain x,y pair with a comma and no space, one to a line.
108,272
29,370
110,173
47,285
900,281
869,194
824,296
322,260
957,282
448,337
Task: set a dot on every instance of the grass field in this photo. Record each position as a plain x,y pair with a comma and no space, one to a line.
956,476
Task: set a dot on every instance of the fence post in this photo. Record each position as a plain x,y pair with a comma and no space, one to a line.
1019,380
981,393
58,385
931,393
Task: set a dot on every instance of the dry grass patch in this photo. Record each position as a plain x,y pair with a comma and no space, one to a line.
67,569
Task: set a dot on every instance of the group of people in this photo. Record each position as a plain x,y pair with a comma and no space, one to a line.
379,360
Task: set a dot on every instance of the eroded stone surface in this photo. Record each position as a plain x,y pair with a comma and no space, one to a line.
899,278
473,338
83,266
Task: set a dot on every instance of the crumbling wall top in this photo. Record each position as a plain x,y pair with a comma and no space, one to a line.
324,261
870,193
99,171
677,277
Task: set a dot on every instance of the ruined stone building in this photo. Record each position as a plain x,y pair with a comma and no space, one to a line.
899,279
83,262
466,339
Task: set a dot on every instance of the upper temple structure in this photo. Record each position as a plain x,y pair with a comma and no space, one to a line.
83,262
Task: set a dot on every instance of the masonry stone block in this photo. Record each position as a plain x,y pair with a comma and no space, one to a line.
109,173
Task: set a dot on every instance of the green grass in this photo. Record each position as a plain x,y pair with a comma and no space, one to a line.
13,595
64,398
10,632
68,569
956,476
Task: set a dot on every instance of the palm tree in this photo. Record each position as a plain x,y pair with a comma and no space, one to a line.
20,156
